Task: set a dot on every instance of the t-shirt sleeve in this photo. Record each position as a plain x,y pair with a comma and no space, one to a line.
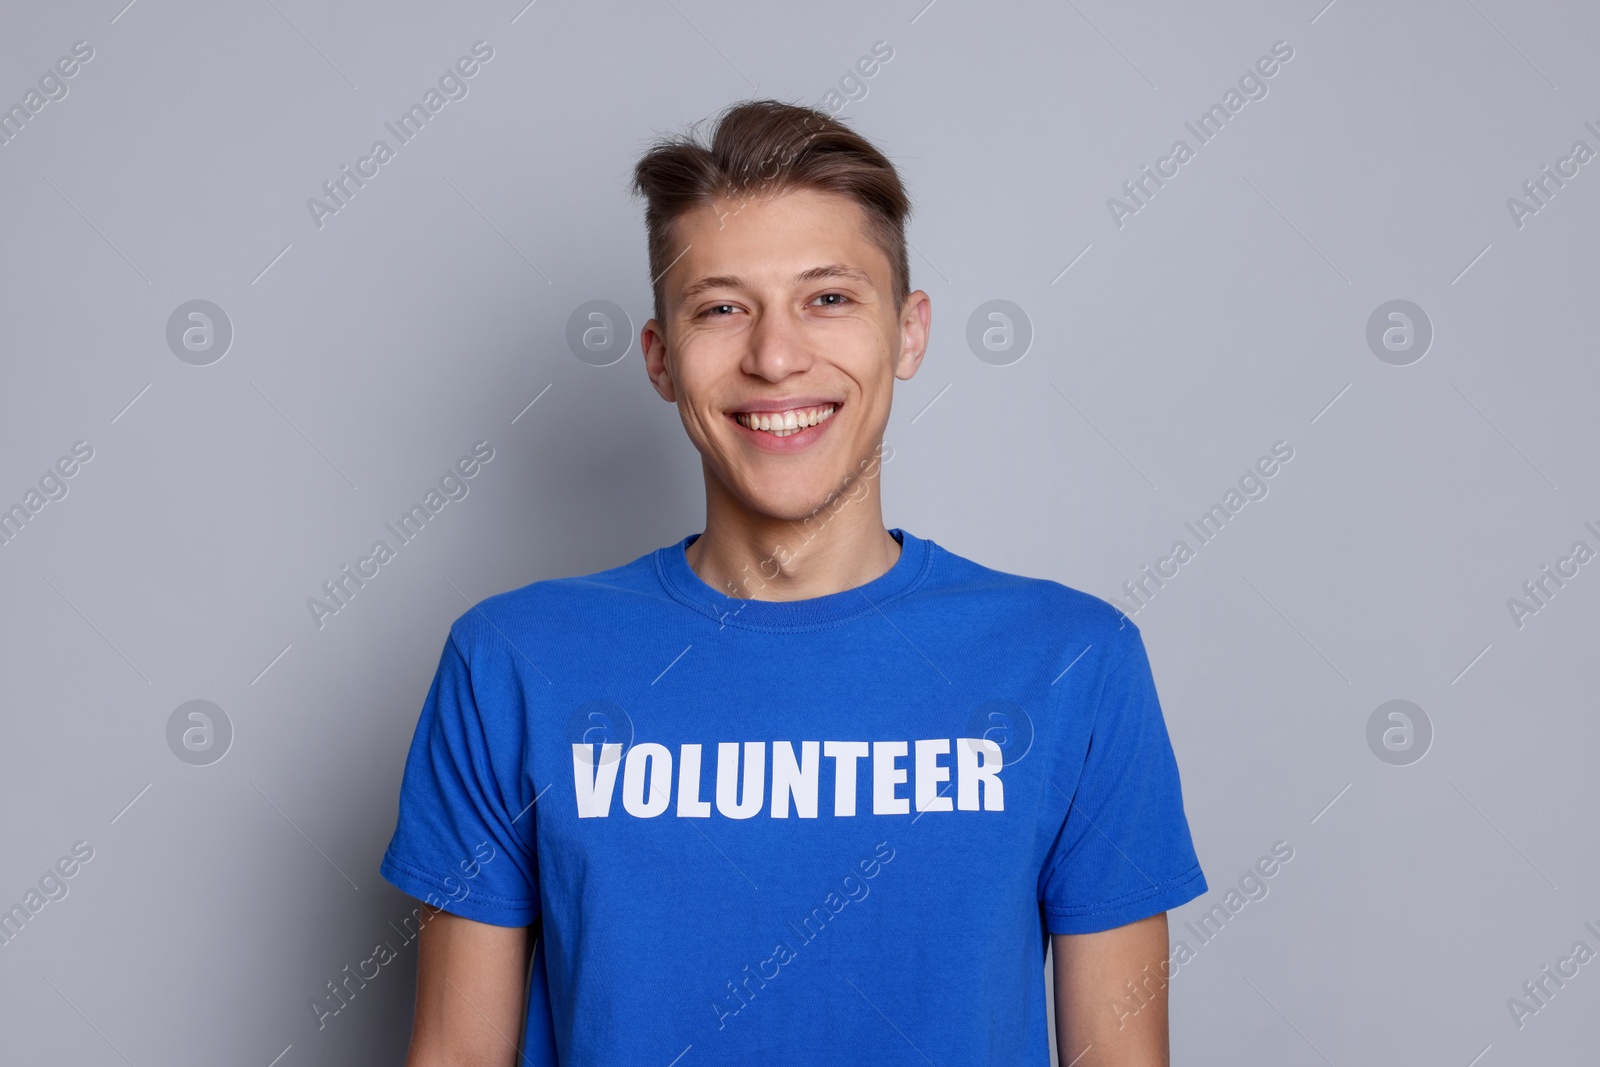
1124,852
464,838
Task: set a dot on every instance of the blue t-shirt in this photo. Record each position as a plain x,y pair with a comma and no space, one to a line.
831,830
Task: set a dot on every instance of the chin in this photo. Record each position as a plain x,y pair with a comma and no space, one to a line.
793,506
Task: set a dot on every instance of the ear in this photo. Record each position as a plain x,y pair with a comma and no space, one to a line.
653,342
915,313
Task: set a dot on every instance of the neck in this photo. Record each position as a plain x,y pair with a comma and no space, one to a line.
754,556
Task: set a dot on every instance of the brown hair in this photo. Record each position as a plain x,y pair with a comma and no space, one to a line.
765,147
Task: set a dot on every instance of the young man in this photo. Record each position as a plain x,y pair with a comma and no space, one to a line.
798,789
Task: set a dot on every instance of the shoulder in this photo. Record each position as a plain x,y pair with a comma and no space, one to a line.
545,612
1079,621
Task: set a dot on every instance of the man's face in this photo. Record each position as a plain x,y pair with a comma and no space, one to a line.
780,310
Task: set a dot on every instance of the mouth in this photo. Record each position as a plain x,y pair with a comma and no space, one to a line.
786,422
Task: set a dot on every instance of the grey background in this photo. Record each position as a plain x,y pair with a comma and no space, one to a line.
367,355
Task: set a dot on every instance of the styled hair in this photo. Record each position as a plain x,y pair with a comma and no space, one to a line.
763,148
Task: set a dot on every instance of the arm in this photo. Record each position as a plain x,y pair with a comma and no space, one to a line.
1098,1022
471,985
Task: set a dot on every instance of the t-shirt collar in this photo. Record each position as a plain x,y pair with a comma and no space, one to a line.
687,587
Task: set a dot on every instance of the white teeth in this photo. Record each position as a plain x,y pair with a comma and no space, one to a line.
782,424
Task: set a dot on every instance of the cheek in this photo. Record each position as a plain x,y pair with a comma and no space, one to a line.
706,426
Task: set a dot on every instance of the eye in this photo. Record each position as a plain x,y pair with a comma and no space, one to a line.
834,299
716,309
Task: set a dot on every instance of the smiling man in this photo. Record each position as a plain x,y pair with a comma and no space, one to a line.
796,789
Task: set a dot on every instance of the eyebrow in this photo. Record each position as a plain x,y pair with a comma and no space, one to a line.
815,274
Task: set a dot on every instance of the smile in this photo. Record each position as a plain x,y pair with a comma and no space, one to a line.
784,423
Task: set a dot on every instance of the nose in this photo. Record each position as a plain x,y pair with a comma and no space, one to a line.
777,347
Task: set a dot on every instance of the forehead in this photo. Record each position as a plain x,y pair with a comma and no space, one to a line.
772,238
